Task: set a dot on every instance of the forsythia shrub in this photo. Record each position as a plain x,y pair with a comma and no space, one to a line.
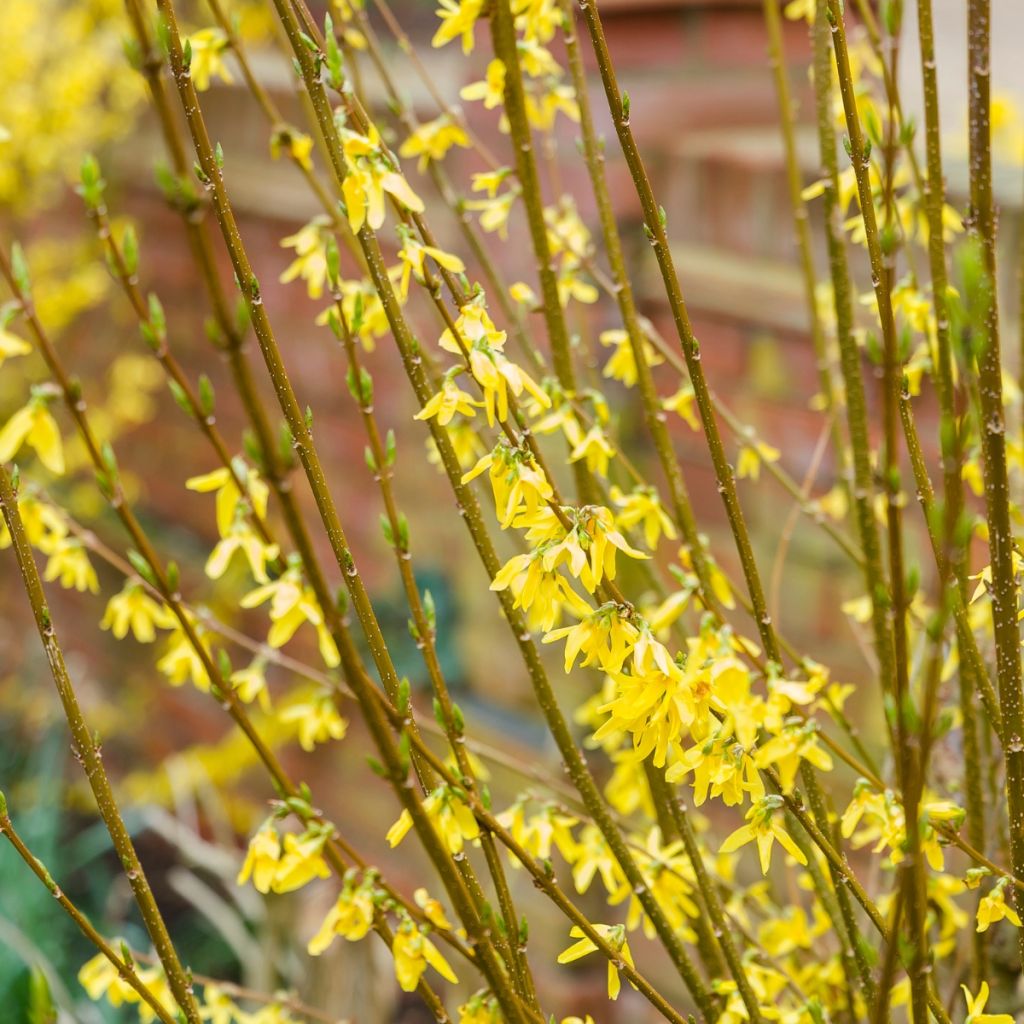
697,700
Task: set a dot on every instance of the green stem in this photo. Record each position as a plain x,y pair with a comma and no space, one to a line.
88,753
125,968
908,739
1003,590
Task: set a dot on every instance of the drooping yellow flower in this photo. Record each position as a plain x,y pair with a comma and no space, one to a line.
763,829
45,527
413,953
622,364
450,401
250,683
262,858
518,484
292,603
100,978
301,861
491,90
241,538
543,595
317,719
457,21
298,145
351,917
448,813
588,548
229,497
134,609
615,936
432,909
604,638
69,562
993,907
310,263
11,345
181,662
33,425
643,507
681,403
412,255
795,743
494,211
432,140
751,456
976,1008
208,47
369,177
595,449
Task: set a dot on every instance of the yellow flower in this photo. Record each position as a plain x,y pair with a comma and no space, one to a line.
432,909
351,917
70,563
208,46
262,858
229,497
45,527
296,144
448,813
751,456
413,953
994,907
615,936
763,829
241,537
491,89
589,547
547,828
448,402
517,482
643,506
622,365
494,211
976,1008
292,603
543,107
134,609
369,177
301,861
604,638
681,403
250,683
33,425
181,662
310,263
412,255
99,977
786,750
542,595
432,140
594,447
11,345
457,21
317,719
490,181
797,9
538,19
